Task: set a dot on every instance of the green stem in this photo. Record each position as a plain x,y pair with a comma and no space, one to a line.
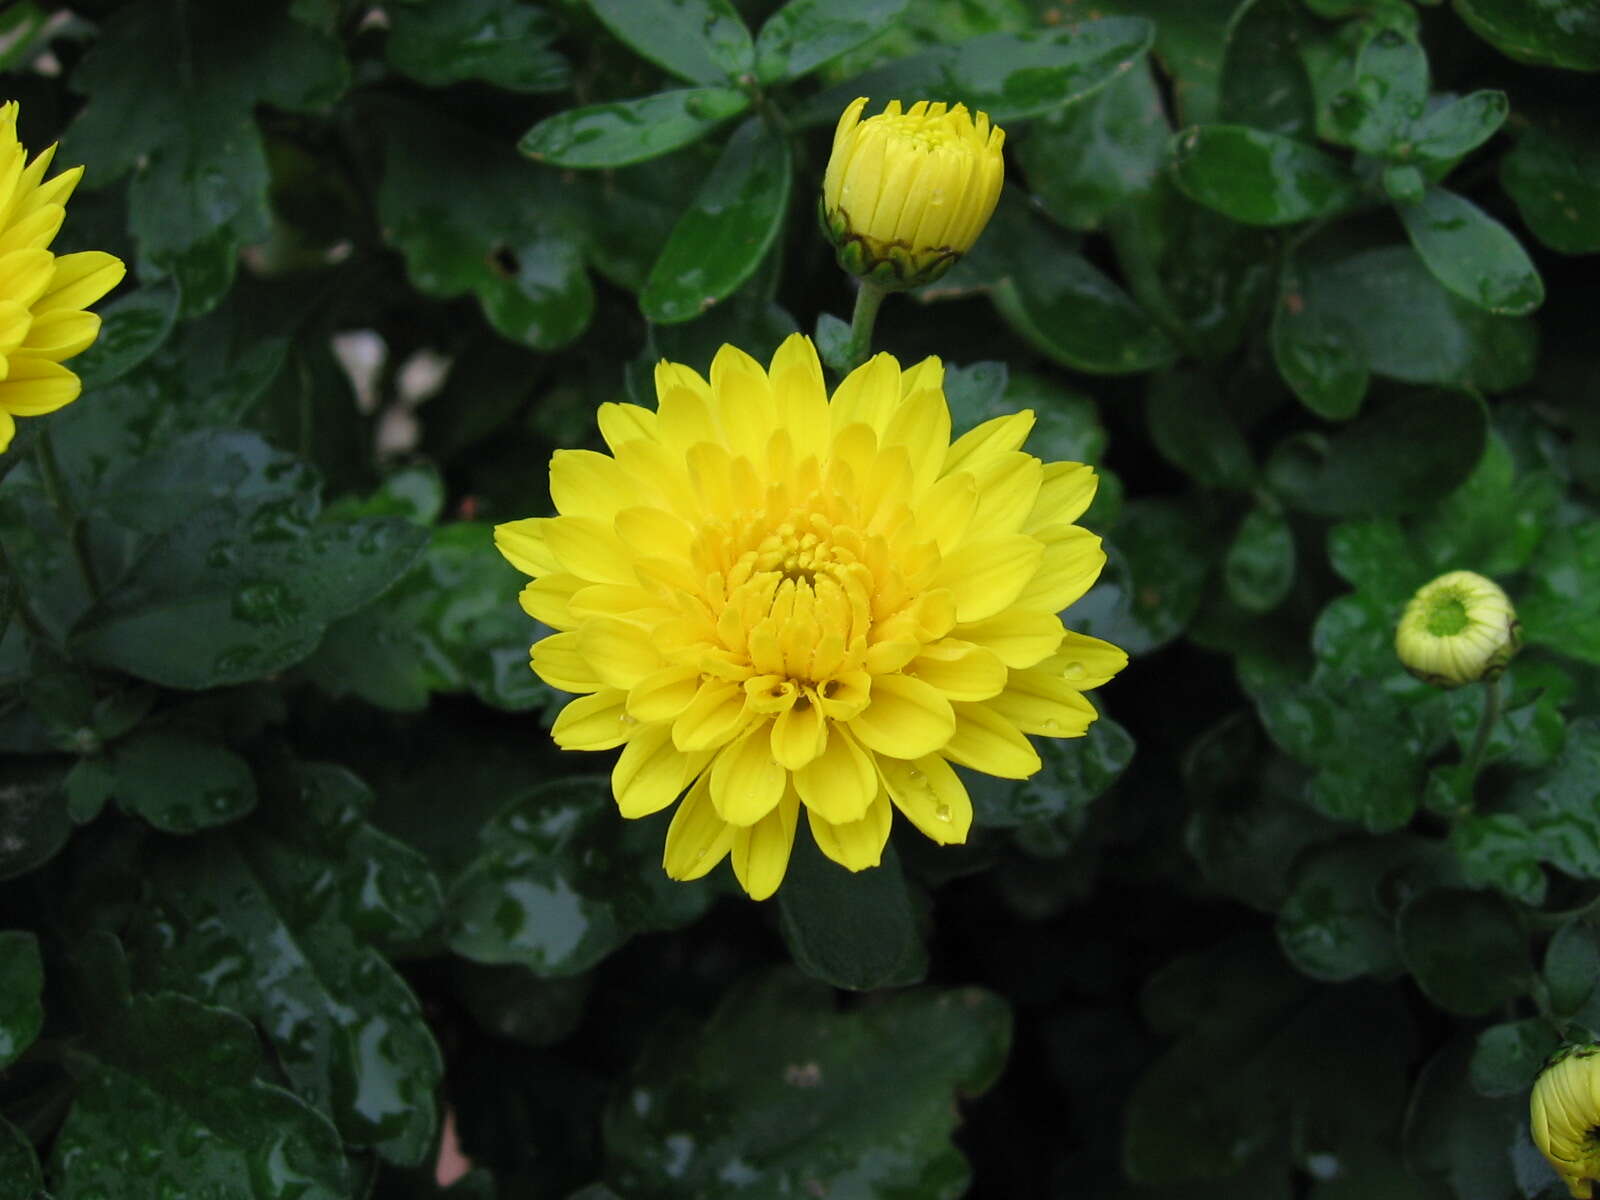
1486,724
868,300
15,602
77,531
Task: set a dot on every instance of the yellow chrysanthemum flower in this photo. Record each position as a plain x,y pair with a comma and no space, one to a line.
1458,629
42,295
781,602
906,194
1565,1117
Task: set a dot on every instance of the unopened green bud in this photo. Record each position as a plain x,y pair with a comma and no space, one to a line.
1458,629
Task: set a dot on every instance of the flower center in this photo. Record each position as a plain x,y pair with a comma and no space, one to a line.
1447,614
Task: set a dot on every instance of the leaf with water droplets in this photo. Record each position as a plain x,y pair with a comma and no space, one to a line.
180,781
278,921
1553,174
1388,96
631,131
1472,254
132,328
501,42
169,1103
561,881
780,1094
1550,33
1259,178
702,41
804,34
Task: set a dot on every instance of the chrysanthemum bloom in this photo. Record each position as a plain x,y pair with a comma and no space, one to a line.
1565,1116
1458,629
906,194
777,601
42,295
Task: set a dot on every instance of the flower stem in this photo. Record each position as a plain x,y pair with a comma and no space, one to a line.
14,601
1486,724
868,300
77,532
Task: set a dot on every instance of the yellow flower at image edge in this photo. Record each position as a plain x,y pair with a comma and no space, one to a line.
782,602
1458,629
907,193
42,295
1564,1113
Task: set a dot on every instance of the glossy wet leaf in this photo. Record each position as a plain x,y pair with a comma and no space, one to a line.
560,881
1494,520
1259,567
1559,607
275,921
502,240
1077,771
1463,1142
1459,126
1388,94
726,232
1085,159
1508,1056
804,34
631,131
1553,174
1555,33
21,993
1153,581
1011,76
856,930
132,328
173,1084
778,1093
1190,425
239,578
34,823
1472,254
1399,456
1466,949
179,781
1264,83
1259,178
497,41
199,188
1318,353
702,41
1572,967
1334,925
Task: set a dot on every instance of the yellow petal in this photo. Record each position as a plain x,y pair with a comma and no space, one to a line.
523,544
1041,701
961,670
560,662
1018,637
587,546
651,771
945,513
624,423
761,851
798,735
930,794
746,781
35,231
664,694
619,652
649,531
8,429
697,839
987,742
585,483
996,436
60,334
1068,490
713,717
15,321
868,395
25,274
904,717
1070,564
549,599
855,845
1087,662
35,386
987,576
922,425
1008,485
839,783
80,279
596,722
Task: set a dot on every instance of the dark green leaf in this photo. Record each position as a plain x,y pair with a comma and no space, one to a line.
1494,520
856,930
1560,606
181,782
132,328
1259,178
1461,1139
1085,159
832,340
1553,173
33,814
722,238
21,989
631,131
1551,33
1472,254
1465,949
1404,184
270,922
804,34
1572,967
702,41
88,786
199,188
1010,76
561,881
1259,568
1500,850
20,1176
242,578
498,41
500,239
1334,925
1508,1056
1264,82
1192,428
1319,355
779,1094
1153,583
1399,457
1077,771
1460,126
172,1084
1389,94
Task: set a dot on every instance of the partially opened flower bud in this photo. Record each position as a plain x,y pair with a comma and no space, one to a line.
907,193
1458,629
1564,1112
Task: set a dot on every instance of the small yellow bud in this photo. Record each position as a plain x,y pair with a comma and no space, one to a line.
1564,1111
1458,629
907,193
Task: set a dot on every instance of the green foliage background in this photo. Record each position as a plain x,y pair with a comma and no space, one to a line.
290,865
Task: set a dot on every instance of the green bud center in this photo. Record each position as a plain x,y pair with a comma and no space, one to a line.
1447,615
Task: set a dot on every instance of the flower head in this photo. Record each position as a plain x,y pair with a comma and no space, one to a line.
1565,1116
780,602
906,194
1458,629
42,295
